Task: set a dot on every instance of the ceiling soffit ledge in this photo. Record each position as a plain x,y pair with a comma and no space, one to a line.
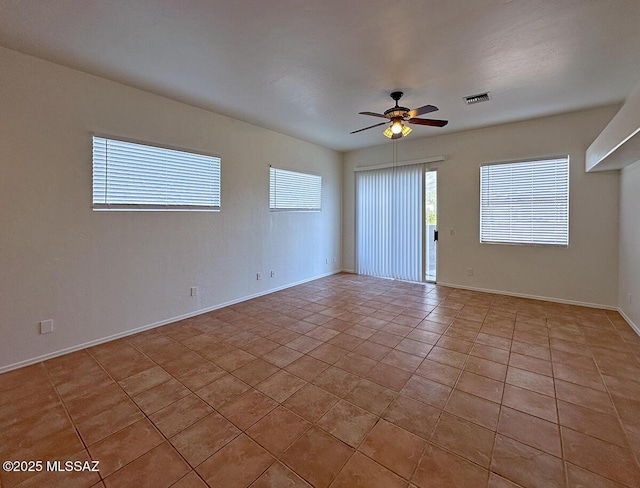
618,145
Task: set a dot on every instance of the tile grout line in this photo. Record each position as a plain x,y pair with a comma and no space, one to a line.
386,306
166,439
504,383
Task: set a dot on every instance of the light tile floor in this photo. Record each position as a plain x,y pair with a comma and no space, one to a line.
346,381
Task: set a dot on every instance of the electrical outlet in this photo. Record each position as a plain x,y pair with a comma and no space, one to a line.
469,271
629,298
452,232
273,273
46,326
258,276
194,291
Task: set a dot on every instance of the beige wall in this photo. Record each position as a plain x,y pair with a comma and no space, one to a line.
100,274
585,272
630,243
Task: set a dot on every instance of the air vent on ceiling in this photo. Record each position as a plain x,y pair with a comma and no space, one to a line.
480,97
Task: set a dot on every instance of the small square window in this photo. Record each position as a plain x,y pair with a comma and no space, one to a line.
291,190
525,202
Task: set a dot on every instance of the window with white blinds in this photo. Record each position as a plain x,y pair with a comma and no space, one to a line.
291,190
128,175
525,202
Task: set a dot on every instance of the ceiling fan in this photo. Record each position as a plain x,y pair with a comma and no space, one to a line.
401,115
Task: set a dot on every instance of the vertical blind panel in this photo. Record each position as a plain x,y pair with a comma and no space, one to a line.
291,190
525,202
389,222
126,173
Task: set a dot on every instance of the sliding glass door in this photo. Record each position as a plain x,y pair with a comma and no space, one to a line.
430,225
390,222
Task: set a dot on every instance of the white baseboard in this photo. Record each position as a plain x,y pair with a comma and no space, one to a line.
533,297
102,340
635,327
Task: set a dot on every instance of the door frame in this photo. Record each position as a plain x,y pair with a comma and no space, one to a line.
425,226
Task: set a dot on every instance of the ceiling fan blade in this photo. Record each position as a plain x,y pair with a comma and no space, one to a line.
431,122
373,114
370,127
422,110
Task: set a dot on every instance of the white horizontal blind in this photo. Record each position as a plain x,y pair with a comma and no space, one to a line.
525,202
139,176
390,222
291,190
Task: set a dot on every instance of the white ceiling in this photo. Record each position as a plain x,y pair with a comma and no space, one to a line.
307,67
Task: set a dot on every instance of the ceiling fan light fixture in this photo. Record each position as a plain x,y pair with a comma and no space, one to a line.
396,126
405,130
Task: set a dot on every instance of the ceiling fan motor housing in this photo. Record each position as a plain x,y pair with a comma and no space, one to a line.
396,111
